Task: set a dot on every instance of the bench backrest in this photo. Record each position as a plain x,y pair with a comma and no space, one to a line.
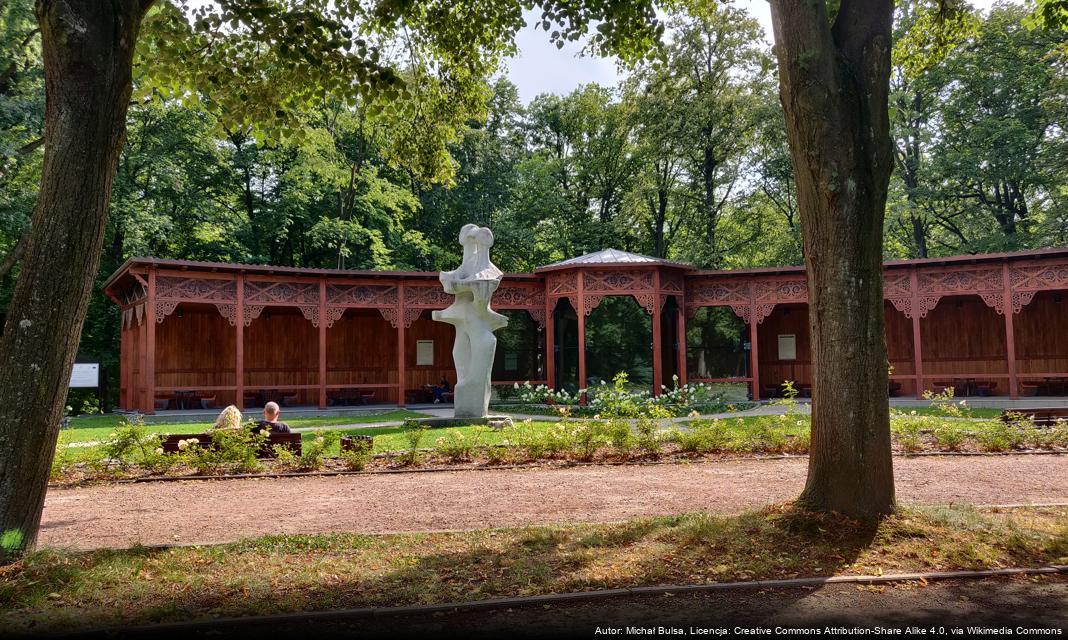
290,441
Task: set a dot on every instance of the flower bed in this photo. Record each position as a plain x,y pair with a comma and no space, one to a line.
566,442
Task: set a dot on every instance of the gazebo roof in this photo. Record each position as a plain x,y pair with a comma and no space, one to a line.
613,257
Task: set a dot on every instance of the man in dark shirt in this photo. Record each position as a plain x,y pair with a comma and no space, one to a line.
270,420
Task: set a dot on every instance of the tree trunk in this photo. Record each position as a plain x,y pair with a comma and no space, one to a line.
834,82
88,53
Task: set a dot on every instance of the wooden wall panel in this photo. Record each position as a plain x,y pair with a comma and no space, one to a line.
361,348
194,349
785,319
963,335
1041,331
425,328
282,349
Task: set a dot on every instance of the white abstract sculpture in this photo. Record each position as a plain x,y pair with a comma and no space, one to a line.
473,285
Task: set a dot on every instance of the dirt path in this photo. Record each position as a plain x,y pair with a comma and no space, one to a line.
218,511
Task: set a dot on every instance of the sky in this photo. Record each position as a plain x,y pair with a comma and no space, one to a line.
542,68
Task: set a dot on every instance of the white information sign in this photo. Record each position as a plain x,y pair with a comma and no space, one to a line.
85,374
424,353
787,346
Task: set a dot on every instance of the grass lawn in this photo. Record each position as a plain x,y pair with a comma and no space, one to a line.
52,590
972,412
90,428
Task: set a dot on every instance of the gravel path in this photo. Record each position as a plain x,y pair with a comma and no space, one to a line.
119,515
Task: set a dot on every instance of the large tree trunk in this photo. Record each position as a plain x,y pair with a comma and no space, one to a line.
88,50
834,81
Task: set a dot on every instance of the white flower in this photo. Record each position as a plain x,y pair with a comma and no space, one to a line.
515,386
159,451
183,445
194,441
695,414
320,440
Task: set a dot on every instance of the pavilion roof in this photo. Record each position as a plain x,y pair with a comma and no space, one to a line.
613,257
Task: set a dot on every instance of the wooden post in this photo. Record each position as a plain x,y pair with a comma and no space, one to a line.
658,339
400,346
322,343
239,345
754,368
581,337
917,349
550,342
680,339
141,387
1010,339
150,344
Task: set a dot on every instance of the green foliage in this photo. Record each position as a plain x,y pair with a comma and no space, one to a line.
130,443
414,432
455,447
356,459
313,453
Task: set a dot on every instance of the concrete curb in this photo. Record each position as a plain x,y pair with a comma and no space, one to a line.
579,596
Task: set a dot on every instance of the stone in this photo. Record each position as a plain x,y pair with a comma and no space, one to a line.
473,284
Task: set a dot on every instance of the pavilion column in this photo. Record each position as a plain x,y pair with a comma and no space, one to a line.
680,340
400,346
1010,339
150,344
754,356
917,347
239,344
581,335
658,338
140,389
322,344
550,342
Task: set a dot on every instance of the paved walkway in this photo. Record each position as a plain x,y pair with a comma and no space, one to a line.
119,515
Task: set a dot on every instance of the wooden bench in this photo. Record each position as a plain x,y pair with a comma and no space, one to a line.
1041,416
290,441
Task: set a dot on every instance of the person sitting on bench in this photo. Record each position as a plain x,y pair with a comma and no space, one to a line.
270,421
440,390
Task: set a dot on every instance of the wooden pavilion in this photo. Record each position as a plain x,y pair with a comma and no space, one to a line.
201,334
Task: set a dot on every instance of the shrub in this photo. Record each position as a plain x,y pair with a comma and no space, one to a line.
497,454
529,441
649,441
414,433
585,437
454,446
129,443
313,453
996,435
767,434
703,436
619,436
950,436
356,459
907,429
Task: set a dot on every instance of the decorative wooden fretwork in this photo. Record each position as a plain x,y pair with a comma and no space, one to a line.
196,289
165,308
1053,276
391,315
538,314
361,295
617,281
777,291
433,297
671,281
517,297
228,311
333,314
294,293
559,283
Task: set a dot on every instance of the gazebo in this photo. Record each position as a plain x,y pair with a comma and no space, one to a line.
201,334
